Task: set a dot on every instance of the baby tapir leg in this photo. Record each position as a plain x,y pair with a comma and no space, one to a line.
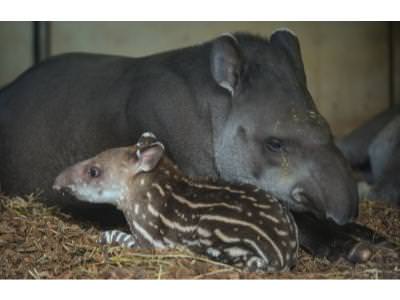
117,237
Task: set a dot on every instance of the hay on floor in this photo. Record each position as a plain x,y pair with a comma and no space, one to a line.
41,242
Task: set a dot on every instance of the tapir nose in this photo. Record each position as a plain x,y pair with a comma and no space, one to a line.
60,182
329,189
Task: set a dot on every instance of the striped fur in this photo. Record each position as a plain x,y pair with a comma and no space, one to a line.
233,224
117,237
236,224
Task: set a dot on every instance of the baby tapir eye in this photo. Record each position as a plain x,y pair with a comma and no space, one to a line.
273,144
94,172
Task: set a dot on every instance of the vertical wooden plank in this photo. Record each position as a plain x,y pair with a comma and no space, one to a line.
396,62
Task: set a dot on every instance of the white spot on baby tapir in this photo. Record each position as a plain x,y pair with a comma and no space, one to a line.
144,216
236,229
142,181
284,244
249,214
293,244
148,195
168,187
136,209
213,252
153,225
288,256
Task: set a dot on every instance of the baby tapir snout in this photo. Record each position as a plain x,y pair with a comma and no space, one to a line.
236,224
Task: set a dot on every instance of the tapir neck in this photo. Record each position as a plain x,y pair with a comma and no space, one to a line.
198,111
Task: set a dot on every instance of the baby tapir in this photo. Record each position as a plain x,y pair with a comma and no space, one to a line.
236,224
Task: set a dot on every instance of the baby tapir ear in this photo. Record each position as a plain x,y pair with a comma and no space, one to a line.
149,156
226,62
147,138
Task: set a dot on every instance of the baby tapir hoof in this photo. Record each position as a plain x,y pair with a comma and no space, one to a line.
117,237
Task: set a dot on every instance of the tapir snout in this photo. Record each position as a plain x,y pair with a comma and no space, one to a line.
327,187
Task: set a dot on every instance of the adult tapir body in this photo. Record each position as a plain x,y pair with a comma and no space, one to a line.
374,149
236,107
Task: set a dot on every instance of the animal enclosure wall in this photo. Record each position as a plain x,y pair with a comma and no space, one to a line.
348,64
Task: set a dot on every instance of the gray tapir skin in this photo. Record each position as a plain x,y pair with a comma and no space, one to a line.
235,107
375,148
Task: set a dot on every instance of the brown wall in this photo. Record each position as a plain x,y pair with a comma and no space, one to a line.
347,63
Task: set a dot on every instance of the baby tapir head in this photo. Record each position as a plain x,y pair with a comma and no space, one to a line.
105,177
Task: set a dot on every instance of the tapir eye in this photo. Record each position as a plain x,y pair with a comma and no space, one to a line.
94,172
273,144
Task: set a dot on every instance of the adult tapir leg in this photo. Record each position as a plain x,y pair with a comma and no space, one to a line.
384,154
353,242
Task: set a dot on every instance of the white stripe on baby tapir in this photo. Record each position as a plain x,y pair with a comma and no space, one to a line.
280,232
170,243
148,237
152,210
269,217
212,187
223,237
169,223
247,224
203,205
258,250
263,206
248,198
159,188
148,195
177,226
236,251
131,244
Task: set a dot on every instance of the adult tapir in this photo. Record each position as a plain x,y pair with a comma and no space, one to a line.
235,107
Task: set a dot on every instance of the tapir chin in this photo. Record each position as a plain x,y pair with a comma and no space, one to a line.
236,107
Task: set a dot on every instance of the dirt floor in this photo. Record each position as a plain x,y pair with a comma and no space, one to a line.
41,242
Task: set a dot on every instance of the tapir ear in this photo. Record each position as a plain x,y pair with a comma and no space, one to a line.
146,138
226,62
288,41
148,157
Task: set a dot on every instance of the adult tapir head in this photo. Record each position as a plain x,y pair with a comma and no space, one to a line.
273,136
